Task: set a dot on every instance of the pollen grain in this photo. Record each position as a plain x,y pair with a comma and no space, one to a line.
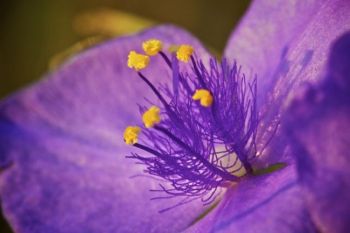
204,96
131,134
151,117
184,53
152,47
137,61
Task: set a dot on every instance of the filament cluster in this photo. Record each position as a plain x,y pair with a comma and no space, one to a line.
203,135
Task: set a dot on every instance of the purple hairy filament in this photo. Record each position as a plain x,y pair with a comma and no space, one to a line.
203,135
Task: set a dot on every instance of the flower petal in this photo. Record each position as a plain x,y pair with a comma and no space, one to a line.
287,39
319,124
62,152
285,43
269,203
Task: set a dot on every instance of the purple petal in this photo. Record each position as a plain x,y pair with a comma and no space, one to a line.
62,152
285,43
269,203
287,39
319,131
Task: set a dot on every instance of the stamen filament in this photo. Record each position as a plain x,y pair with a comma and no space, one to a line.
155,91
223,174
171,113
166,59
190,174
199,76
149,150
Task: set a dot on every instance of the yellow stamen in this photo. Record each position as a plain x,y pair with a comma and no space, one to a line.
205,97
184,53
137,61
152,47
131,134
151,117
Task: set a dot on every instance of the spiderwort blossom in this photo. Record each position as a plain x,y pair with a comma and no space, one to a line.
61,140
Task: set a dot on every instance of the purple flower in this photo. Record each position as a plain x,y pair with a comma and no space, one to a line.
63,155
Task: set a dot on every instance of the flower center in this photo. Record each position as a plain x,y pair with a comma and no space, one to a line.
203,135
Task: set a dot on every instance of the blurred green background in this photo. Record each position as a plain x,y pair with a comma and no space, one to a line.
39,34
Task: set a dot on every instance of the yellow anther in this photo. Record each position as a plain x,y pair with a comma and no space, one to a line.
152,47
131,134
137,61
205,97
151,117
184,53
